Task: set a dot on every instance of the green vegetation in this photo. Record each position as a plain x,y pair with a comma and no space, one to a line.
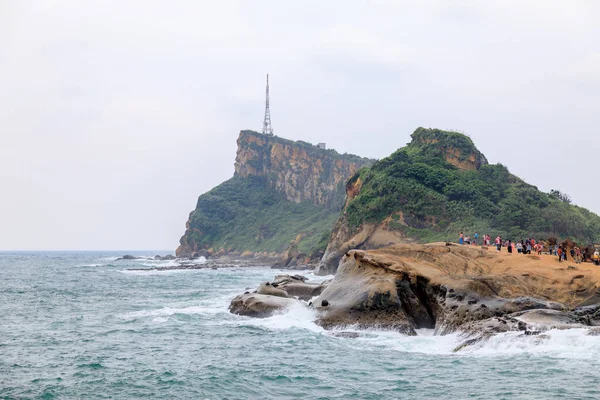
246,214
439,200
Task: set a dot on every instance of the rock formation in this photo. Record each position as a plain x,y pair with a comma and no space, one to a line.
475,291
272,297
441,184
449,288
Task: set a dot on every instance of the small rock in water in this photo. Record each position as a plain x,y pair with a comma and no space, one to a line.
351,335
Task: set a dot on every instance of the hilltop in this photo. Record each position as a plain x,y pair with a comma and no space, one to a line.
439,185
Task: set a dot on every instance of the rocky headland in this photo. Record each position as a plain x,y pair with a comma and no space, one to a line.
282,201
475,291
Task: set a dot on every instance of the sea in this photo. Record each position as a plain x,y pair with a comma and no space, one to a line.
82,325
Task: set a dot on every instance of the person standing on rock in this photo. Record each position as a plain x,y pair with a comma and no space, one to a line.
559,252
577,255
509,246
498,243
461,239
475,237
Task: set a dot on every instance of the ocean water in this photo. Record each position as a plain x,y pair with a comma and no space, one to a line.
81,326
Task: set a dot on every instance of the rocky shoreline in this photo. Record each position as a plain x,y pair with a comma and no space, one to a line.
210,263
476,292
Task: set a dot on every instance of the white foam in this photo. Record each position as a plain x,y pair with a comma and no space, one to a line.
568,343
425,342
156,272
169,311
160,263
297,316
571,343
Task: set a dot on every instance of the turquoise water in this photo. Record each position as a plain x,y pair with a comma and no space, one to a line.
78,325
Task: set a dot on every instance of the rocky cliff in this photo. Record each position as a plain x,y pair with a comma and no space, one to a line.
439,185
299,170
284,194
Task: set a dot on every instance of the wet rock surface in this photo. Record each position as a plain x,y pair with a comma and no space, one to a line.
272,297
260,305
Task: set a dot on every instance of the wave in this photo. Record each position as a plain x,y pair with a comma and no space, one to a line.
297,316
159,263
149,272
169,311
571,343
576,343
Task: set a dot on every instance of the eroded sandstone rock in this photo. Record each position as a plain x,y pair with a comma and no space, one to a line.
260,305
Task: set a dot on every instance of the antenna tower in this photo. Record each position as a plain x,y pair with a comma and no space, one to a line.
267,128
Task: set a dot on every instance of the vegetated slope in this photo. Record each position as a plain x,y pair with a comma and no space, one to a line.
440,185
284,195
247,214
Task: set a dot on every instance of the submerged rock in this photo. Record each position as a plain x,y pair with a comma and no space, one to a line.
352,335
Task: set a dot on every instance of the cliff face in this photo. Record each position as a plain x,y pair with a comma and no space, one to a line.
282,192
436,187
299,170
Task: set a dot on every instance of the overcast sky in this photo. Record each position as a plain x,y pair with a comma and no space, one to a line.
116,115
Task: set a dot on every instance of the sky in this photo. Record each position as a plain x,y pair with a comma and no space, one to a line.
116,115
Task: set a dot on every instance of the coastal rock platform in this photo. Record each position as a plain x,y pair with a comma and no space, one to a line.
475,291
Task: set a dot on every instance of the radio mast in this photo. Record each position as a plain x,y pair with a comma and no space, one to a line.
267,128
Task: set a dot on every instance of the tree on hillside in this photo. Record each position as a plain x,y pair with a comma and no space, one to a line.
561,196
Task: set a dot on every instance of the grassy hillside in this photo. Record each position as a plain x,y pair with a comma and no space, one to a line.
438,200
246,214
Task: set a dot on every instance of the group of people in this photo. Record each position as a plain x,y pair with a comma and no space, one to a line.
576,253
528,245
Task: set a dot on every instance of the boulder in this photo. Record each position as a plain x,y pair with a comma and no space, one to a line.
268,289
260,305
296,286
